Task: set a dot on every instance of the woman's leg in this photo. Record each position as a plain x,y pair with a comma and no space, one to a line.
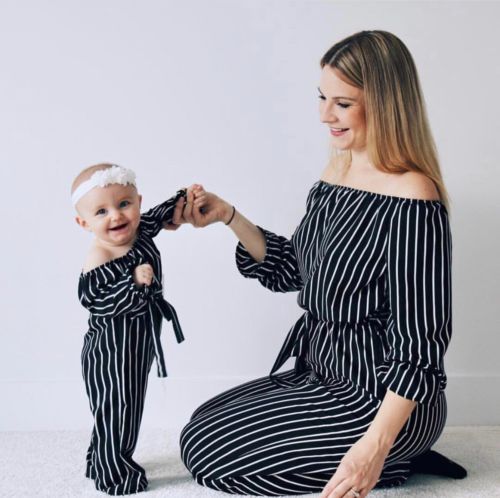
261,385
262,439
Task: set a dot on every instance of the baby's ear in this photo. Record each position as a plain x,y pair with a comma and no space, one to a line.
140,201
81,222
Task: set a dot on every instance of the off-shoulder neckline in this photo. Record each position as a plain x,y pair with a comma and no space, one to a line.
112,261
379,195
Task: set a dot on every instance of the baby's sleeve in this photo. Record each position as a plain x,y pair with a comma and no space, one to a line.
106,292
419,290
152,220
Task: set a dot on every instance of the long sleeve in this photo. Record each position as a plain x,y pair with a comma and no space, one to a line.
152,220
419,290
278,271
107,291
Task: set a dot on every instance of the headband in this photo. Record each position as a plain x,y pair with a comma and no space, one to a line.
102,178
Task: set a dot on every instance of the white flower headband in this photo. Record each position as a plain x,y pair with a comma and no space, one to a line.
103,177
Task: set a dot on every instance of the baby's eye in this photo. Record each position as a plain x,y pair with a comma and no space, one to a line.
322,97
101,211
124,203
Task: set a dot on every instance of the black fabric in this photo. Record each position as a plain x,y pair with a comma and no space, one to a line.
373,276
432,462
119,347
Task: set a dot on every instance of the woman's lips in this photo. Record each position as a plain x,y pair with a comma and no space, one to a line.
338,133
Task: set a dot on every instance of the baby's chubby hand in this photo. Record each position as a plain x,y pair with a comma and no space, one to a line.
143,274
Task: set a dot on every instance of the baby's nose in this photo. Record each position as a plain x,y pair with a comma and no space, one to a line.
115,214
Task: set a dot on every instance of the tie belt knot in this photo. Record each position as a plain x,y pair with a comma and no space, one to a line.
160,309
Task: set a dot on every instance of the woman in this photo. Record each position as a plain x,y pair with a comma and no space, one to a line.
371,260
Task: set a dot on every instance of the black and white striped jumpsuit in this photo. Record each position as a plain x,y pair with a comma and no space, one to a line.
374,275
122,340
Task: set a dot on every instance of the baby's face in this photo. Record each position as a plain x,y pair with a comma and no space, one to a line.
111,213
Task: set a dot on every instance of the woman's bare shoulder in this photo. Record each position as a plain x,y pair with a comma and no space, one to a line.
415,185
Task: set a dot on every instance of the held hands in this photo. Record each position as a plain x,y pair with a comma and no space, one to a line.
200,208
143,275
359,470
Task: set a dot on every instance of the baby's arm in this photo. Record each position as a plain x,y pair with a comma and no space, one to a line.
153,221
97,256
105,293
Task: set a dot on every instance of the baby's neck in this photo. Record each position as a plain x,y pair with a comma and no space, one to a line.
116,251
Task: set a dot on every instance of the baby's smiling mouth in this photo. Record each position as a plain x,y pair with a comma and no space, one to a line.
119,227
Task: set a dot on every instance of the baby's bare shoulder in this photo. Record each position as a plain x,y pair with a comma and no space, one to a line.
96,256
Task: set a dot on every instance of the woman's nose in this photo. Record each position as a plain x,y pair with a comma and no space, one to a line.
326,114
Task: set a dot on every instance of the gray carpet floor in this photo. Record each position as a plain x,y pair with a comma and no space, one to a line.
51,464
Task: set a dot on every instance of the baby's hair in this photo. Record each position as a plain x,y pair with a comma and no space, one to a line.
86,173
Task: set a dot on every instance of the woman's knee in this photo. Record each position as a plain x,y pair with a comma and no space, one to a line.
203,408
191,443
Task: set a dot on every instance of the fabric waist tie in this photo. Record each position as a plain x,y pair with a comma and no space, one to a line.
159,309
294,346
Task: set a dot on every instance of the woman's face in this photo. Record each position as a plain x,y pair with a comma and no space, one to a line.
341,106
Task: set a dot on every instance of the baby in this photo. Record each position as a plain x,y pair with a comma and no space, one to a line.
121,286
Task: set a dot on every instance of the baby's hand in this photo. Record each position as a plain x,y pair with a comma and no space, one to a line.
143,274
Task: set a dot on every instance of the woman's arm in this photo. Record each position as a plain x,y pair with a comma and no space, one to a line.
390,419
260,254
216,210
249,235
361,466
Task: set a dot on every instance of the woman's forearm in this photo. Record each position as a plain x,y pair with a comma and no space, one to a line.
202,208
248,234
391,417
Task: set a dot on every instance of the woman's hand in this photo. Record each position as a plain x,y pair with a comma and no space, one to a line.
178,218
201,208
360,469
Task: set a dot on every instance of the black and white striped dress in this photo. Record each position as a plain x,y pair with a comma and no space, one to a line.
373,273
119,347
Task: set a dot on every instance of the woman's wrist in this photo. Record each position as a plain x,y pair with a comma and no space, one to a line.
233,212
228,215
383,440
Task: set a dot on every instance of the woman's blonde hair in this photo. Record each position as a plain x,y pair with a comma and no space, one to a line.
399,138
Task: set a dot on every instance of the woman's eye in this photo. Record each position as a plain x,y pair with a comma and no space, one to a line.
343,106
124,203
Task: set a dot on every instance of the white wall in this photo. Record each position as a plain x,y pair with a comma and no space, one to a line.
222,93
